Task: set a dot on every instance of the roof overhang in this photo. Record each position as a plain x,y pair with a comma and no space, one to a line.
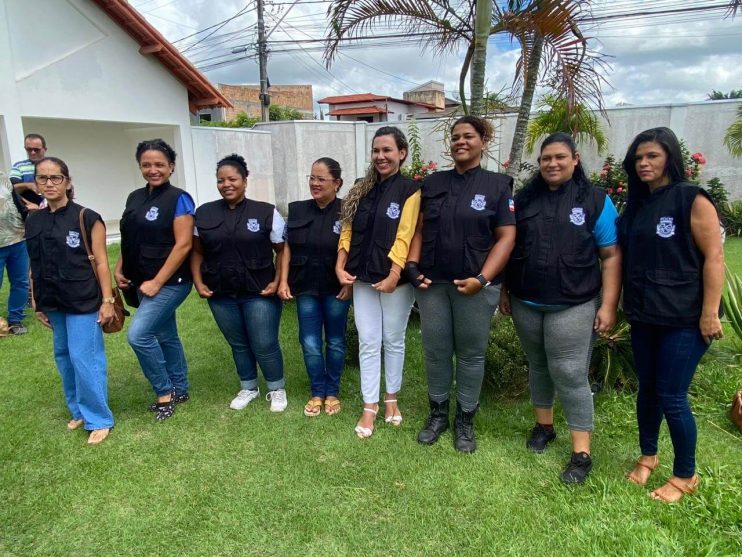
359,111
201,92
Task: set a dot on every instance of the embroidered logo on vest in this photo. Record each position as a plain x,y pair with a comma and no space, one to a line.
336,227
73,239
665,228
478,203
252,225
152,214
577,216
393,211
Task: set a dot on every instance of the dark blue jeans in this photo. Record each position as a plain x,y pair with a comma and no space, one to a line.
666,360
15,259
250,325
316,313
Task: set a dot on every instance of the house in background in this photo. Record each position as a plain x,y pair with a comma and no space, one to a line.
245,98
94,78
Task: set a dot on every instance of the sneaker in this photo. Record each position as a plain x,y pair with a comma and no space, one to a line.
180,398
577,469
540,438
278,400
243,398
17,329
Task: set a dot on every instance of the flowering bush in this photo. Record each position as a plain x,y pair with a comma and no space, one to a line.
693,164
417,169
613,180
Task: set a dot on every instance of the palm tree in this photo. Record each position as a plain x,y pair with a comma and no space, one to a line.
733,136
719,96
546,30
553,117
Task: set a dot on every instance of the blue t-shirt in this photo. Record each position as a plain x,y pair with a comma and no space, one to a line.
185,205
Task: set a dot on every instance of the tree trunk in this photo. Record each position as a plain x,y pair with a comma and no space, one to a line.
524,112
482,24
462,76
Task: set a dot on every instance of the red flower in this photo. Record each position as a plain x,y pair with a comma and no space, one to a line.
417,177
604,174
619,190
506,164
609,190
424,168
432,165
620,184
607,167
688,172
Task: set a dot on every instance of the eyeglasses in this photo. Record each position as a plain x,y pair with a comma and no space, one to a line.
33,149
55,179
322,181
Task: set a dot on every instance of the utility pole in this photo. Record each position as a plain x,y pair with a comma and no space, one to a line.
265,99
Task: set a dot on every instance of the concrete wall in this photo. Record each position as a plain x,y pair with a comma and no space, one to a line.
212,144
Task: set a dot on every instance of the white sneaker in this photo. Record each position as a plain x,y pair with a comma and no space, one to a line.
243,398
278,400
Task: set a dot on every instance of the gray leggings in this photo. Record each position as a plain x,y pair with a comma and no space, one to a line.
558,346
452,323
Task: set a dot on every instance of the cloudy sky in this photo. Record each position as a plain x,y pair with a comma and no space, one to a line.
654,59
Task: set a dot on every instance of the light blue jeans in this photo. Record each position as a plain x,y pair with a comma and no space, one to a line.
14,258
250,324
153,335
81,360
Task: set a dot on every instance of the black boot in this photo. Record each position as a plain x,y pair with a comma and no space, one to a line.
437,423
463,427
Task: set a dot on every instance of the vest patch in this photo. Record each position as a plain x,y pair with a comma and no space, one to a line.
336,227
393,211
478,203
577,216
253,225
665,228
73,239
152,214
511,205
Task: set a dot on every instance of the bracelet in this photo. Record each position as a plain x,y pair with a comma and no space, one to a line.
110,300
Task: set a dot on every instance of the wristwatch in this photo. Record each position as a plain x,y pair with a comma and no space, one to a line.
483,281
110,300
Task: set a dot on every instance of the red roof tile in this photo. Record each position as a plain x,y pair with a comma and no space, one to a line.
344,99
359,110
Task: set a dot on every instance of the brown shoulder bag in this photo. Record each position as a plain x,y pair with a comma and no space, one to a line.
119,311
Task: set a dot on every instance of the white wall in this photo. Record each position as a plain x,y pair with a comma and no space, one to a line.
212,144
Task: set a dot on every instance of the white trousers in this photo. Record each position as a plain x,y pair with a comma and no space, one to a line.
381,319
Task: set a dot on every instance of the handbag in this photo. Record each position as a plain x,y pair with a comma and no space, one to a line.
119,311
736,412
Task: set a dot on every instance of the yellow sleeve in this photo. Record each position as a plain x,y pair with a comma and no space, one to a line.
345,235
406,229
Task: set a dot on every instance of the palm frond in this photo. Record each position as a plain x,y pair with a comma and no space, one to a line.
443,25
554,116
732,8
733,135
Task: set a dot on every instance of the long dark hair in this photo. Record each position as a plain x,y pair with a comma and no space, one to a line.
674,167
361,188
537,184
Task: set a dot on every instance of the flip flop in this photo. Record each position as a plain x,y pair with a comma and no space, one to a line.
313,407
332,406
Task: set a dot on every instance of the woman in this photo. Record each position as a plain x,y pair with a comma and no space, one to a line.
156,233
69,298
464,236
673,278
562,284
378,221
313,228
232,266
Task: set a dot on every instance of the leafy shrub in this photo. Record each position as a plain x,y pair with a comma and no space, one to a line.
717,192
613,180
417,169
612,362
351,340
505,364
731,214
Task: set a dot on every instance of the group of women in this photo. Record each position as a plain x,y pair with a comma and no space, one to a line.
555,257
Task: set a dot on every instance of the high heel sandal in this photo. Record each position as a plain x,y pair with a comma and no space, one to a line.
640,464
394,419
366,432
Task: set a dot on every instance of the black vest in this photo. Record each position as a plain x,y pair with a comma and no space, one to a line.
63,278
375,228
460,214
555,259
147,236
662,267
312,235
238,253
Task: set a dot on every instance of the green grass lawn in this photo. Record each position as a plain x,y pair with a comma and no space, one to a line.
212,481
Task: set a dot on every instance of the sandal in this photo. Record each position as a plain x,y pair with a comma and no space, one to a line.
332,406
176,398
394,419
74,424
639,465
366,432
164,410
313,407
97,436
687,488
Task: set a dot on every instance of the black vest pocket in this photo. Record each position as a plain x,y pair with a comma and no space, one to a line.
666,290
298,232
579,275
151,259
298,271
475,253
